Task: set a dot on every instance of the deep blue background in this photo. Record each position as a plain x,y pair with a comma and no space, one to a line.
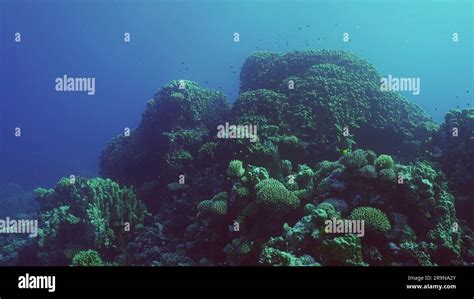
64,133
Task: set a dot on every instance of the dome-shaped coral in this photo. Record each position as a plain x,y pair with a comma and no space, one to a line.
374,219
271,192
216,205
384,162
355,160
87,258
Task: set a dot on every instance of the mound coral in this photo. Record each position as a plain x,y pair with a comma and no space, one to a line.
332,92
216,205
87,258
374,219
271,192
384,162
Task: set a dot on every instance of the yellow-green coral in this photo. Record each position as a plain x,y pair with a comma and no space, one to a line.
88,258
216,205
235,169
384,162
374,219
271,192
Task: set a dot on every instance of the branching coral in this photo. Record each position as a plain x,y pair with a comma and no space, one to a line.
94,213
355,160
235,169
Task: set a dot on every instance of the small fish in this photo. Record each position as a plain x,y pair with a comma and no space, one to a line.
346,151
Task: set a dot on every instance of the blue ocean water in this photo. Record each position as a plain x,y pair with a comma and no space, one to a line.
63,133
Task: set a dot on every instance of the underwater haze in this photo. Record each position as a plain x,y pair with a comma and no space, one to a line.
193,40
159,132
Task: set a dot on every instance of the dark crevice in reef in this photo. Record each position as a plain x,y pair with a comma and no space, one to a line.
334,147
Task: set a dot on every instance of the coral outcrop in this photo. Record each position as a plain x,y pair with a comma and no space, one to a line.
80,214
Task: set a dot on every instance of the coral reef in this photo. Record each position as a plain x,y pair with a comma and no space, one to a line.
454,150
81,214
331,148
175,127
